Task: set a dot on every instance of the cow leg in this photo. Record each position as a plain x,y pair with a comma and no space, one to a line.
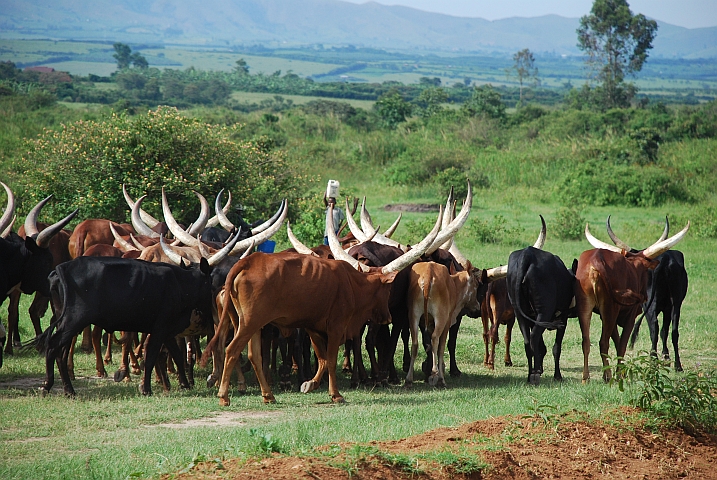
86,345
320,349
664,331
525,329
346,367
71,359
108,351
241,339
37,310
332,350
676,336
267,333
179,359
486,338
452,337
97,347
438,347
493,339
151,353
64,373
508,333
375,348
413,323
537,345
557,350
405,332
13,321
126,343
160,370
358,373
584,310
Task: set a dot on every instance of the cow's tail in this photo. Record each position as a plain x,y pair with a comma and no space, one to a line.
518,307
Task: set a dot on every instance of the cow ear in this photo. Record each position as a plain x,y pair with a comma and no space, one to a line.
484,276
388,277
575,266
204,266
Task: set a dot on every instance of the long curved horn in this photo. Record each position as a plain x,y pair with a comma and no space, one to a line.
661,247
6,218
419,249
393,226
271,221
8,229
139,246
447,219
43,238
265,235
298,246
124,245
458,255
366,223
666,231
247,251
335,245
541,237
599,243
201,222
355,230
455,225
497,273
146,217
137,222
215,220
616,240
226,250
174,227
173,256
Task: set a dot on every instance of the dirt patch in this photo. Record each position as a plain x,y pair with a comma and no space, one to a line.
507,447
224,419
31,383
411,207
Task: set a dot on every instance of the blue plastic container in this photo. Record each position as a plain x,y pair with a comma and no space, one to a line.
266,246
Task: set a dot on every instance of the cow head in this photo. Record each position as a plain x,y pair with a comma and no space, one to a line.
380,313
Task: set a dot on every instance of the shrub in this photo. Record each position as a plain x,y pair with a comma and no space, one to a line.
496,230
601,183
688,400
85,164
569,223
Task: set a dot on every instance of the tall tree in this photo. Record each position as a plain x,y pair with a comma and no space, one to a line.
524,68
123,55
617,43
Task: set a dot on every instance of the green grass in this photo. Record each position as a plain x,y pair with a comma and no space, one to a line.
110,431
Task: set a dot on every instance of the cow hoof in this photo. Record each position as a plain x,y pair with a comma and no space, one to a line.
408,384
557,377
354,385
678,367
433,380
211,381
241,388
120,375
455,372
71,374
490,366
337,399
269,398
285,385
508,364
309,386
224,402
534,379
69,393
43,391
146,392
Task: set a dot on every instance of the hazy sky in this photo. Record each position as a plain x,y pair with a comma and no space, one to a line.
685,13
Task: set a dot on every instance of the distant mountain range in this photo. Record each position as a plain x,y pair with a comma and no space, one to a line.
306,22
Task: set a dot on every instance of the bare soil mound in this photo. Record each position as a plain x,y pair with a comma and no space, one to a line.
411,207
567,446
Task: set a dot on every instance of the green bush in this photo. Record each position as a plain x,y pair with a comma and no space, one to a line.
420,163
85,164
496,230
601,183
688,400
569,223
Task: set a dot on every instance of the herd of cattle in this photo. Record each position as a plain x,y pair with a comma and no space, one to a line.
209,281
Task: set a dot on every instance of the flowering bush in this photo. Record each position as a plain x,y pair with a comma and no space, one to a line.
85,164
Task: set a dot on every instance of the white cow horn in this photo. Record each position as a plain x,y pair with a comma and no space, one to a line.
541,237
173,226
221,215
335,245
173,256
393,227
266,234
661,247
9,210
137,222
146,217
124,245
298,246
599,243
419,249
201,222
270,222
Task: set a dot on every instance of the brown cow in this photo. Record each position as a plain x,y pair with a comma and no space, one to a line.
435,296
613,283
330,299
93,231
496,310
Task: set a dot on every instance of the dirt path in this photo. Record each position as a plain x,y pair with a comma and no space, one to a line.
563,447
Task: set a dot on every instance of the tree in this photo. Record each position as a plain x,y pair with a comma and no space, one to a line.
393,109
241,68
430,100
524,68
485,101
139,61
123,55
617,44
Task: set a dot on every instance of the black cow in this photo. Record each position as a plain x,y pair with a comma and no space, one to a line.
131,295
541,290
666,290
27,262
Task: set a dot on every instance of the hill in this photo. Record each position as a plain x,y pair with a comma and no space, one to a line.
313,22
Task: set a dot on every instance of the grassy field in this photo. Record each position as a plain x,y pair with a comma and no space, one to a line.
255,97
111,431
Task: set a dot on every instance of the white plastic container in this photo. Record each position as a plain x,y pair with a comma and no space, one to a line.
332,189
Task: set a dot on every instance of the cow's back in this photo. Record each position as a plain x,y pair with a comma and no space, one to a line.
93,231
